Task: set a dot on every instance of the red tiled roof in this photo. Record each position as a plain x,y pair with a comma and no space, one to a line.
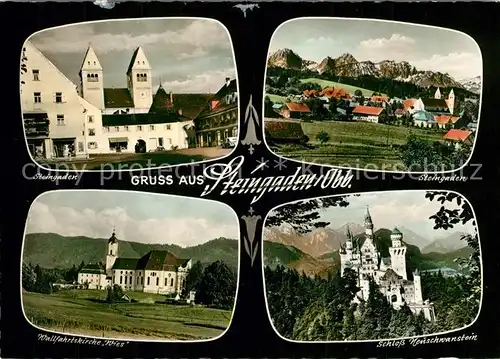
297,107
457,135
399,111
444,119
332,92
309,93
379,99
408,103
368,110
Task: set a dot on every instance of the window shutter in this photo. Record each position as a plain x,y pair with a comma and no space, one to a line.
54,97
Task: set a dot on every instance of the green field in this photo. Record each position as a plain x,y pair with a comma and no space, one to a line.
83,312
348,88
277,98
356,144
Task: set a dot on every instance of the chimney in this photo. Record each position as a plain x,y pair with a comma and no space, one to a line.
228,81
171,98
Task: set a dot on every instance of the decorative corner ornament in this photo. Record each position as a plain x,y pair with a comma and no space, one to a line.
251,123
251,246
246,7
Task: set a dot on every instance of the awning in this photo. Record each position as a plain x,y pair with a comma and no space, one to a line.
118,139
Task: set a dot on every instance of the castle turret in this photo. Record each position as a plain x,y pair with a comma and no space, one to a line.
398,253
417,287
368,223
112,253
348,242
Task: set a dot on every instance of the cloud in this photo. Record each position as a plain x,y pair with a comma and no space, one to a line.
200,83
72,39
198,52
187,231
321,41
458,65
397,48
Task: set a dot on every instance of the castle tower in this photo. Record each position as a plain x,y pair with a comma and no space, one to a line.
368,223
91,79
398,253
348,242
139,81
417,283
112,253
437,94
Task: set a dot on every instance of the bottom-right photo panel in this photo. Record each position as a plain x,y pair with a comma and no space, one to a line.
372,266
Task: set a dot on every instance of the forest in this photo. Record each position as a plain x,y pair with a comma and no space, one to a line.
315,309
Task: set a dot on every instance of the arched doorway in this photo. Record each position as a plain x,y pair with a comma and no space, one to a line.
140,146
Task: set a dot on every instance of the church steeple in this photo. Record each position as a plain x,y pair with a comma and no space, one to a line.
91,79
113,238
368,219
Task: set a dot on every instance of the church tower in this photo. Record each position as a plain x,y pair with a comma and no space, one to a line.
437,94
451,102
368,223
112,253
398,253
91,79
139,81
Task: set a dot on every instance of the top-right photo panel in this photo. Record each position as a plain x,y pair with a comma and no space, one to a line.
372,94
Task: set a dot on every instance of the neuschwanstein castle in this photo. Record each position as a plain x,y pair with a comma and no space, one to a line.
389,273
155,272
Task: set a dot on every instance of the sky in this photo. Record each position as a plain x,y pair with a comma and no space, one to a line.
189,56
402,209
426,48
137,217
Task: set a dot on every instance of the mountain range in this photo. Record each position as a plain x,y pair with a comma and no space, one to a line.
347,66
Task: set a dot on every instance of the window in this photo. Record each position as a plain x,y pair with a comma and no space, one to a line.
130,280
235,131
138,280
142,77
160,141
172,282
157,281
142,280
60,120
92,77
91,131
169,140
167,127
91,119
58,97
121,279
151,127
37,97
139,128
126,128
165,282
80,147
117,128
148,280
36,75
105,129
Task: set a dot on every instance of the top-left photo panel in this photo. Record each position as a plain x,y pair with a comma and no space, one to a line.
129,94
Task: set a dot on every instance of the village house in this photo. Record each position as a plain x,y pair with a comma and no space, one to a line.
444,121
423,119
459,137
219,118
367,113
294,110
337,93
399,113
157,271
379,99
63,120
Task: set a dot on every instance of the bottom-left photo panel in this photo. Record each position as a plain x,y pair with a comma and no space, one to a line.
130,265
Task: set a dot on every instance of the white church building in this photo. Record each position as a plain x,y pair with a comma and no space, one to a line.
156,272
389,273
63,120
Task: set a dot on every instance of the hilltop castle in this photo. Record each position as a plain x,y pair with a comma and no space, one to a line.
155,272
389,272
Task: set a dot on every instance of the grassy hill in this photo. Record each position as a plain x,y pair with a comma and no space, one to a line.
277,98
348,88
50,250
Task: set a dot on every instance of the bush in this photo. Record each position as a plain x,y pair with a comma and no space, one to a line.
115,294
322,137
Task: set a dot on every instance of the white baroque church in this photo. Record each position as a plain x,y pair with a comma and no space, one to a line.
389,272
156,272
62,119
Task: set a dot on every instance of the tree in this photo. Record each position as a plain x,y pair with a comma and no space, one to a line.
358,93
304,216
193,278
323,137
115,294
217,286
28,277
268,108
